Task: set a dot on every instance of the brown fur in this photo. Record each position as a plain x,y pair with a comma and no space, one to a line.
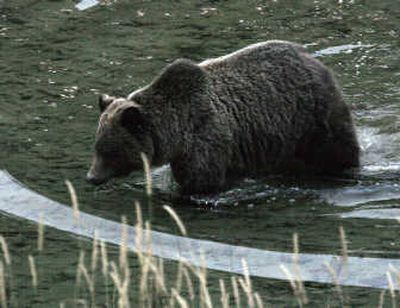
267,108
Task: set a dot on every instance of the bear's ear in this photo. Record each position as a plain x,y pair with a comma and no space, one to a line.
133,119
181,76
104,101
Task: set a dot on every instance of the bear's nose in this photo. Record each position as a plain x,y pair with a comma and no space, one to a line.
93,179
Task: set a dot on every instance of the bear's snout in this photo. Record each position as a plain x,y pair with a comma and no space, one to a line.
92,179
96,178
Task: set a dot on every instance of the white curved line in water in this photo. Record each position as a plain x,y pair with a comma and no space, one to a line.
15,199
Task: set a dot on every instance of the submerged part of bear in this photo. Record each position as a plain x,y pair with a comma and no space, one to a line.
267,108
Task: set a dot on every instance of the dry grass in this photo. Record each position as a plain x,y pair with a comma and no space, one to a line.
40,240
3,295
6,253
32,267
148,285
177,220
151,285
74,200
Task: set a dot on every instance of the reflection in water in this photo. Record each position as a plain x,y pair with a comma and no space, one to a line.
334,50
86,4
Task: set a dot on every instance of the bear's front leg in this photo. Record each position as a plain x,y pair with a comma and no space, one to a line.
200,172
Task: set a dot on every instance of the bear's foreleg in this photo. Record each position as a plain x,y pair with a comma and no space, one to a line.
201,171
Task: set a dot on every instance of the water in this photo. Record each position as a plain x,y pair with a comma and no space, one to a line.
218,256
56,59
86,4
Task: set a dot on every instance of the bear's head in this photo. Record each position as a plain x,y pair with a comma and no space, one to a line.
155,120
122,135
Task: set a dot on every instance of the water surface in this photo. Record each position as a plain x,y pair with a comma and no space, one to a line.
55,60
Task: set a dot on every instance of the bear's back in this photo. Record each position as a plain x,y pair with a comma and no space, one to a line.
263,75
269,93
252,52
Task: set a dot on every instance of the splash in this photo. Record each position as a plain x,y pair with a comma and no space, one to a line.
378,176
352,196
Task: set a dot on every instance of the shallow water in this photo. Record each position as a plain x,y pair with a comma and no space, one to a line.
55,59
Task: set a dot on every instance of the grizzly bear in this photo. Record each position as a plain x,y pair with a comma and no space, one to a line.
267,108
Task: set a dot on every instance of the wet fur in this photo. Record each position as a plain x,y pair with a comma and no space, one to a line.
267,108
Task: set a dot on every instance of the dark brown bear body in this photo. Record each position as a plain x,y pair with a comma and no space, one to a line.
267,108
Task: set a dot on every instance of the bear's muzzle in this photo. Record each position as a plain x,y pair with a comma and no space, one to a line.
97,175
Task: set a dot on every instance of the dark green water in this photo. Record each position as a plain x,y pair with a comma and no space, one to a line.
54,60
